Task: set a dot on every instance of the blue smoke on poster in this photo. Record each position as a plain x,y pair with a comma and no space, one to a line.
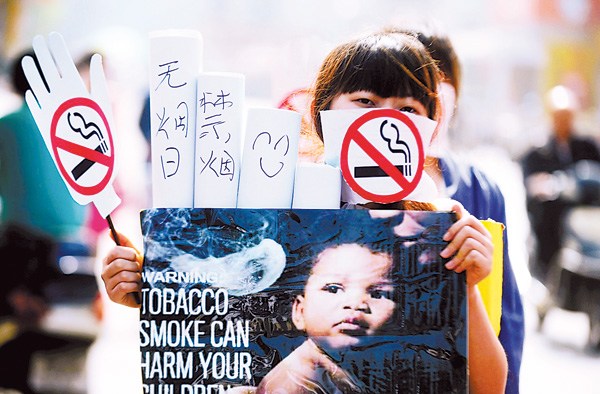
300,301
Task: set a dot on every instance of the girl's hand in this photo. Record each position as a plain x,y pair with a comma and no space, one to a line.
121,273
470,244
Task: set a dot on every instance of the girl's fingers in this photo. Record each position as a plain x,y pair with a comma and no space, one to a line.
466,239
119,258
125,276
121,274
122,280
473,258
120,271
465,220
126,294
471,252
120,289
470,246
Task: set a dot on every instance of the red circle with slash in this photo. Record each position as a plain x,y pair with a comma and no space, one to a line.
354,135
79,150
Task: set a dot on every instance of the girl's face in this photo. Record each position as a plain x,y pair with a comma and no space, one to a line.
347,296
365,99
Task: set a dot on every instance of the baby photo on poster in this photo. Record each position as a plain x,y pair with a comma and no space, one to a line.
298,301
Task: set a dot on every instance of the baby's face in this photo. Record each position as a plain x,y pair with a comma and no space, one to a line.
347,296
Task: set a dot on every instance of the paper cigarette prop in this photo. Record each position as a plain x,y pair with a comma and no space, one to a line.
219,126
381,154
269,158
175,61
317,186
76,124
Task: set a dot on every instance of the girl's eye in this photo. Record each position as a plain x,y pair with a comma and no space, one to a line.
332,288
408,109
364,101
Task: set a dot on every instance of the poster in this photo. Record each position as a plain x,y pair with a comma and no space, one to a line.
238,300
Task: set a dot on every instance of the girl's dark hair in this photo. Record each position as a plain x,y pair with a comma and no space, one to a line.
387,63
443,53
440,47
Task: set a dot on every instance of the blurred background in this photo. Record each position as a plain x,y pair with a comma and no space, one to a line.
512,52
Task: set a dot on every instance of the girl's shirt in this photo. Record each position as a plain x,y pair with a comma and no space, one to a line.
483,199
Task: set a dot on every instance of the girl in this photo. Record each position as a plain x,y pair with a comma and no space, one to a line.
381,70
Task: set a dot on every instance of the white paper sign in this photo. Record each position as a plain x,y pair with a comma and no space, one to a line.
219,126
175,62
269,158
441,143
388,152
317,186
76,124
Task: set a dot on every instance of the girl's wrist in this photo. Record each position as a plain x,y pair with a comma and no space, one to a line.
473,291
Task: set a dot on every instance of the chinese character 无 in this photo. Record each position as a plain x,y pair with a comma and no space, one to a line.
167,74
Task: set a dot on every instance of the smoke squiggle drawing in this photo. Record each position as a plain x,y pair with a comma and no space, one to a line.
241,258
246,272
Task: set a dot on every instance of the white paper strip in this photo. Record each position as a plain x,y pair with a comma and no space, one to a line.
175,61
317,186
440,145
219,125
269,158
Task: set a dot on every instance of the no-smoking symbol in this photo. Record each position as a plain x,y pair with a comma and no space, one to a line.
382,156
82,145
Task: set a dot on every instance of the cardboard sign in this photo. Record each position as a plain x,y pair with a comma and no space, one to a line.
75,123
243,300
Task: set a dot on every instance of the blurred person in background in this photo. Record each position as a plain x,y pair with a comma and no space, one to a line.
546,181
39,221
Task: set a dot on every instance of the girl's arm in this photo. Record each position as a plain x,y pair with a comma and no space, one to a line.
488,367
121,273
471,245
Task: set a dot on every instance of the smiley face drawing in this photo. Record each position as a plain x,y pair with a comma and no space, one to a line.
270,162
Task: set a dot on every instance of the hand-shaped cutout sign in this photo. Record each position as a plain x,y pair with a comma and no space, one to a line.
75,123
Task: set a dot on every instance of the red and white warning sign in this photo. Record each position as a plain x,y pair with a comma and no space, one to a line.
382,156
82,145
73,121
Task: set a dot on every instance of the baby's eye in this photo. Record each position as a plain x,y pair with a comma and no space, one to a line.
381,293
332,288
